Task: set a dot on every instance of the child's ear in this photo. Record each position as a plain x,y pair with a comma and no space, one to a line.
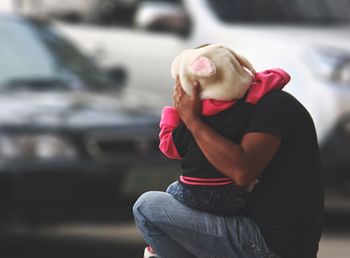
203,67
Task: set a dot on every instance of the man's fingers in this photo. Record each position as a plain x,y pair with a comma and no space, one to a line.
181,90
177,85
196,90
178,88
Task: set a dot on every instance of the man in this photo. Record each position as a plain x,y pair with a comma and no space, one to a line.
283,215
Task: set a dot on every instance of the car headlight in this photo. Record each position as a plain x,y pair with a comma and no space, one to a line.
332,64
36,147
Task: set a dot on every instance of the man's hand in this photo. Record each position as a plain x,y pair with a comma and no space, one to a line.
188,107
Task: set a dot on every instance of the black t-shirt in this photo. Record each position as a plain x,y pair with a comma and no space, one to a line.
229,123
287,204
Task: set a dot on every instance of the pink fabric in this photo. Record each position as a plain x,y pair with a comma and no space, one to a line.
169,117
150,249
169,120
264,82
189,178
211,107
205,181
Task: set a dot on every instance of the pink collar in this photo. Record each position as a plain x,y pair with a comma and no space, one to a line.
263,83
211,107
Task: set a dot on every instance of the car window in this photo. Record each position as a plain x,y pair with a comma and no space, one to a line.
281,11
72,63
34,57
22,54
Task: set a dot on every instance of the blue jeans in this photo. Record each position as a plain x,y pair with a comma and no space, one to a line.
223,200
175,230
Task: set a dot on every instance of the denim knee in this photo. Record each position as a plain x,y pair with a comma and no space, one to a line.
145,213
140,203
143,205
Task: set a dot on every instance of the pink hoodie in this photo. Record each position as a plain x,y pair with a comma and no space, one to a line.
263,83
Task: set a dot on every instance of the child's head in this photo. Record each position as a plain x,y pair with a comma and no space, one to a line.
222,74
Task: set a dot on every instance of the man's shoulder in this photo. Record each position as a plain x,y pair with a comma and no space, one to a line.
281,101
284,107
279,96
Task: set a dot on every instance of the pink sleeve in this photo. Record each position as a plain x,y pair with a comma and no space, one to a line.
169,120
265,82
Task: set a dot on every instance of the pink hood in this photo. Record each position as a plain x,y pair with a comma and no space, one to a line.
264,82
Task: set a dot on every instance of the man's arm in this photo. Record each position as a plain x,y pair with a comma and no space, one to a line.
243,163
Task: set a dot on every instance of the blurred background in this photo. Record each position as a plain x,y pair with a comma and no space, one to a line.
82,84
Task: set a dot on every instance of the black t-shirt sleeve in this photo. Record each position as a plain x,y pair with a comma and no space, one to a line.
273,114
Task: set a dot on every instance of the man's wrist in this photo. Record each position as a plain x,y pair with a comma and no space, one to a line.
193,124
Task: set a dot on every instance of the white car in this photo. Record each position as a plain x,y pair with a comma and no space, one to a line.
309,39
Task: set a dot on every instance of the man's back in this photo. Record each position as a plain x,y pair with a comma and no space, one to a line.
287,204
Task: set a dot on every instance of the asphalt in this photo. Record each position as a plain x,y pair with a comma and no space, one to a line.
123,240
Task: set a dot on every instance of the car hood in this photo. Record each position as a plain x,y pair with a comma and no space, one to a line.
72,110
337,36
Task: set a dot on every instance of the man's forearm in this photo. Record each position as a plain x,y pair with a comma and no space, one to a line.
226,156
242,162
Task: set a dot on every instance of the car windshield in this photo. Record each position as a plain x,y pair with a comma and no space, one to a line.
34,57
283,11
